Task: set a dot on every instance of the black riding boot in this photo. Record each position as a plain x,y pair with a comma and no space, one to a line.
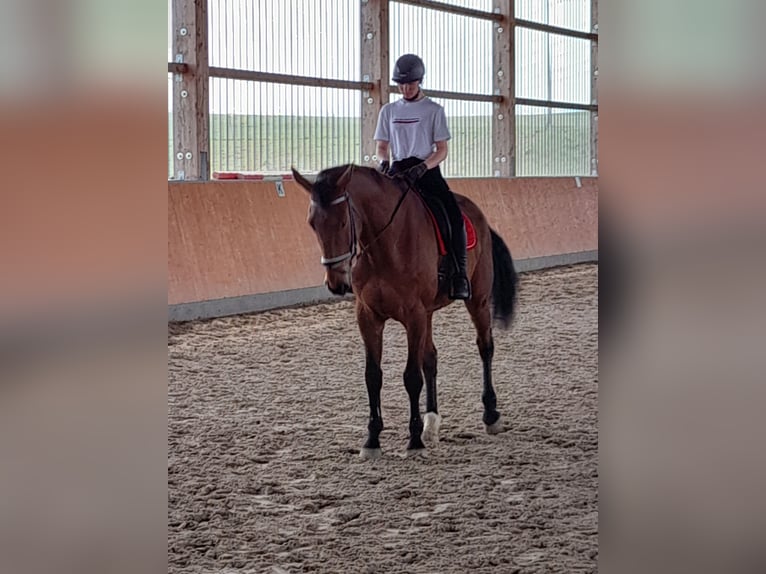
433,184
460,287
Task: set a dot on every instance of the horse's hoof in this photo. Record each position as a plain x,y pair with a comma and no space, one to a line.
370,453
431,424
496,427
416,453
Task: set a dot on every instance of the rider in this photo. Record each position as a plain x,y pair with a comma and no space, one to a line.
414,130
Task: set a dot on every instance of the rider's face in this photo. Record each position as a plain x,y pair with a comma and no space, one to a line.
410,89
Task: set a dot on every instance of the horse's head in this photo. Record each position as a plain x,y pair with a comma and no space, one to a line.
331,219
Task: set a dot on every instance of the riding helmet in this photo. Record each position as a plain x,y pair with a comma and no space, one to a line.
409,68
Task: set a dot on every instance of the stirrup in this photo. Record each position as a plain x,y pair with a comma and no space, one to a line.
460,288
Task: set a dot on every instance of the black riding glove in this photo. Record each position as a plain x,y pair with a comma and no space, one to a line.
384,166
414,173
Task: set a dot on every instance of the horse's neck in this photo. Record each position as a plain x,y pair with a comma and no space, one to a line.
390,232
377,207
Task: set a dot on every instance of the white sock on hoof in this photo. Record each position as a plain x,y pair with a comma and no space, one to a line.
370,453
496,427
431,424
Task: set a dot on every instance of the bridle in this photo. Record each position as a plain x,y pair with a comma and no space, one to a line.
329,262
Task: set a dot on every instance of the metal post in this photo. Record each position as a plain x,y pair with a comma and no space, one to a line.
375,69
504,74
190,90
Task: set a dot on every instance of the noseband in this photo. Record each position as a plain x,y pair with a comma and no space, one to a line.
330,261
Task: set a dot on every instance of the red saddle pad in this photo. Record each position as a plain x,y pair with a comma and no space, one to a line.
470,233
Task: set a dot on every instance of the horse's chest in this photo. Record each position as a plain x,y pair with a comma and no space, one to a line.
385,299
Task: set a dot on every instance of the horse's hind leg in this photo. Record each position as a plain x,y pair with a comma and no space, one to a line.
413,379
371,329
432,418
478,307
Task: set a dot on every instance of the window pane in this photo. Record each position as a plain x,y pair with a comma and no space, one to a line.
572,14
552,67
552,141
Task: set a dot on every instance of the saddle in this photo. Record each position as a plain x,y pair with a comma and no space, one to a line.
443,231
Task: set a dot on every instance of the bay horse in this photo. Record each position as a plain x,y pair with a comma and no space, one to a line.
378,242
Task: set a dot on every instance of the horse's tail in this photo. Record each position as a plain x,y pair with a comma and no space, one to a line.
504,282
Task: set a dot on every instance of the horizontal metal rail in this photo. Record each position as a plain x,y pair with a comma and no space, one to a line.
519,22
457,95
249,75
555,30
252,76
442,7
552,104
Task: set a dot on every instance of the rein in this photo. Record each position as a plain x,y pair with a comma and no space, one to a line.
390,221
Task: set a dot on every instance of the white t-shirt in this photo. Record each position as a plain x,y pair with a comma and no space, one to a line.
412,128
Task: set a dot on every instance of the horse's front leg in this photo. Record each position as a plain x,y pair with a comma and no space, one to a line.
413,379
371,328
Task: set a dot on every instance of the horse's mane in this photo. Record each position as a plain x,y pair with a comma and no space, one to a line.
326,183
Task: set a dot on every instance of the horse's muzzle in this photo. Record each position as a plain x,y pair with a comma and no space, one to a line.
339,288
338,280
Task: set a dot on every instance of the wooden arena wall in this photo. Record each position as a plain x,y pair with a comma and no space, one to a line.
241,246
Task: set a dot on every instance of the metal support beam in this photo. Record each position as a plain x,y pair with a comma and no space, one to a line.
268,77
540,27
452,9
190,90
504,82
462,96
375,69
556,104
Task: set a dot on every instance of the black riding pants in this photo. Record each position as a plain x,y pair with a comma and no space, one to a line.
432,183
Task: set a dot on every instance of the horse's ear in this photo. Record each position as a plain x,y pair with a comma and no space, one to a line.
302,181
345,177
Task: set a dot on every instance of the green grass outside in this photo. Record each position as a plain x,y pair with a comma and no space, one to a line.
555,145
